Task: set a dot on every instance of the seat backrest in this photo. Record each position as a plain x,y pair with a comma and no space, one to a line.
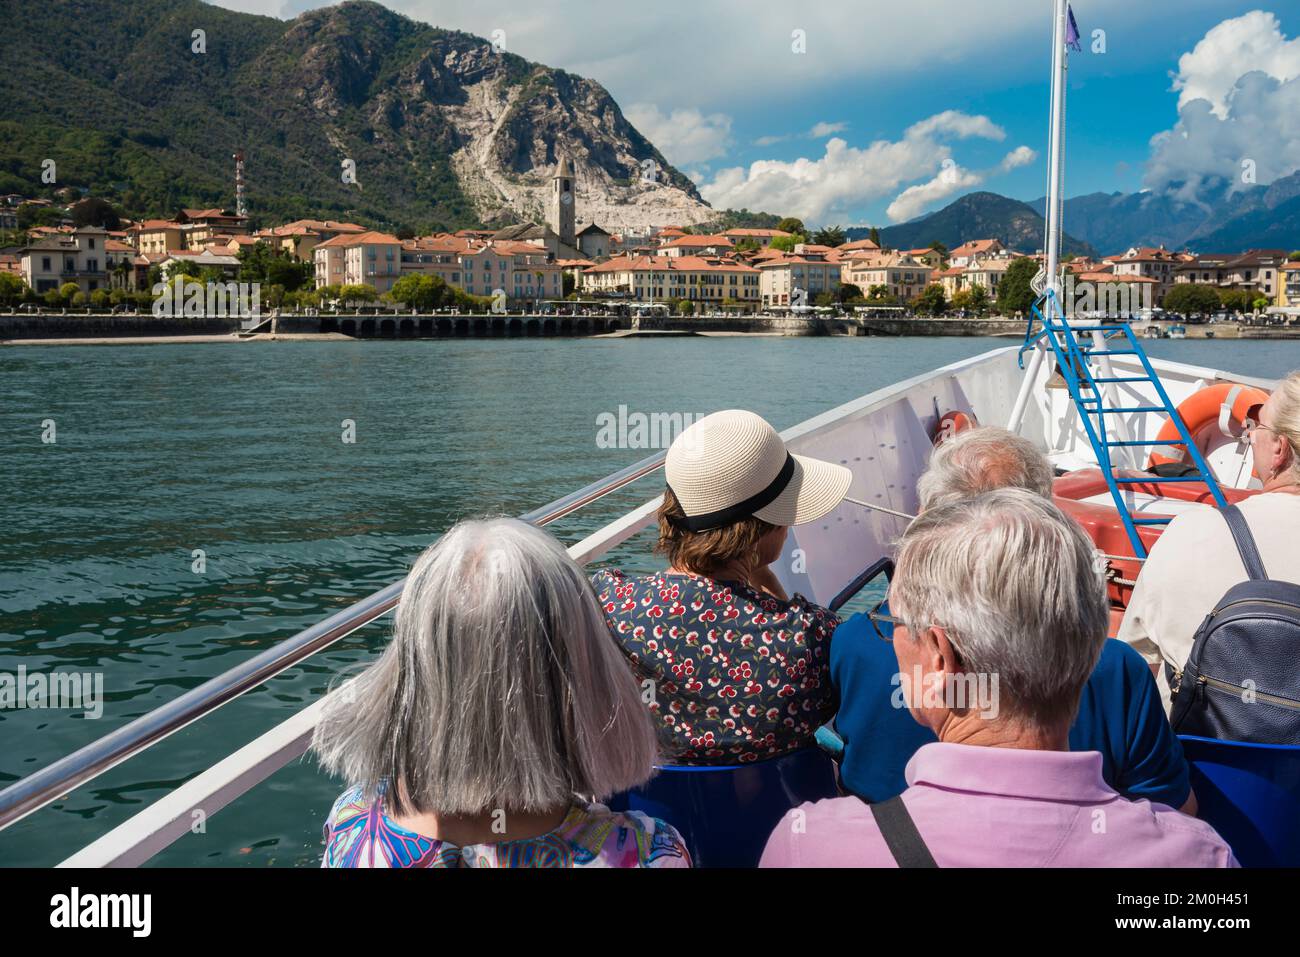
725,814
1250,794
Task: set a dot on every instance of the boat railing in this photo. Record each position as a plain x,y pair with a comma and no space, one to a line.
58,779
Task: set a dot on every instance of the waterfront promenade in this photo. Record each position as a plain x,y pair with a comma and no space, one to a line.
91,329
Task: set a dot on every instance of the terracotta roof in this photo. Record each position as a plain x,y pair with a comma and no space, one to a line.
1104,277
974,248
368,238
670,264
684,242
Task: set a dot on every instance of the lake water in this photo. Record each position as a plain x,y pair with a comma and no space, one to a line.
238,450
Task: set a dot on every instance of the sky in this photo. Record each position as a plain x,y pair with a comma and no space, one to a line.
860,112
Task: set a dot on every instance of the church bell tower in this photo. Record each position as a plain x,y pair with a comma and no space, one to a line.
563,202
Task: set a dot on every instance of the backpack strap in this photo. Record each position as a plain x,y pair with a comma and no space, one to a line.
1245,542
900,834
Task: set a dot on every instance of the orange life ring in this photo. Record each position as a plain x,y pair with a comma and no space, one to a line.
1215,405
950,423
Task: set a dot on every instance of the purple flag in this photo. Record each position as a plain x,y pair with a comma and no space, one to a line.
1072,31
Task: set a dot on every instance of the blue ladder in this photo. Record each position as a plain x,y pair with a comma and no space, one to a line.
1074,360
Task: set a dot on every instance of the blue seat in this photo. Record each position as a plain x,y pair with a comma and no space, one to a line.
1250,793
726,813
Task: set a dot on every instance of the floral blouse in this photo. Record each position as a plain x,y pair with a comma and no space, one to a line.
359,834
737,674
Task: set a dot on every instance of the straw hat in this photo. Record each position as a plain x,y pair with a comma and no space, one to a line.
731,465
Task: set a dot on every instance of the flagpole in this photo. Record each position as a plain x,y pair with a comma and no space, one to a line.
1054,154
1053,208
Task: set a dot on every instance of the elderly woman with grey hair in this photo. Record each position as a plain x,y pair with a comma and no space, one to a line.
498,713
999,616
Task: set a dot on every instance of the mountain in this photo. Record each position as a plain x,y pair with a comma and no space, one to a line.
444,129
975,216
1257,217
1115,222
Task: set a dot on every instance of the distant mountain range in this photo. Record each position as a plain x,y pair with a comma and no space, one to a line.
1258,217
1253,217
445,129
981,215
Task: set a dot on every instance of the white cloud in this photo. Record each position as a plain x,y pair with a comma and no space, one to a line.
1238,112
915,200
683,136
1020,156
1228,52
824,129
643,53
952,179
845,177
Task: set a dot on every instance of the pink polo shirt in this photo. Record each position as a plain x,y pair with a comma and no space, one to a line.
1002,807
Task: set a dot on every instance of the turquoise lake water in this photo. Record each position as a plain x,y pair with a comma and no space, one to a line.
237,450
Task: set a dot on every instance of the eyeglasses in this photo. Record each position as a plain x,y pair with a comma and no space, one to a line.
1254,427
883,623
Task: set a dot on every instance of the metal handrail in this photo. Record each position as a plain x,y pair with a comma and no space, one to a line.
58,779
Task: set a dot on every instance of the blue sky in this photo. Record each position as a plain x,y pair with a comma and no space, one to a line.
894,111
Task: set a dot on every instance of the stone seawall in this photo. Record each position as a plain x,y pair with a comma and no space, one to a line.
109,327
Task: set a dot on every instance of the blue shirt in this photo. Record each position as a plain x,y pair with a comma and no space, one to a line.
1120,715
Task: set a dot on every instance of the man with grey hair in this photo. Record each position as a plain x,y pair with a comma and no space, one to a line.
1000,614
1120,713
980,460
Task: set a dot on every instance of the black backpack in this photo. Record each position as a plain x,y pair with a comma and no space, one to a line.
1242,679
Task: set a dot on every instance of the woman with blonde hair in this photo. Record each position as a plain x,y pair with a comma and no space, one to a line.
493,721
1195,561
738,668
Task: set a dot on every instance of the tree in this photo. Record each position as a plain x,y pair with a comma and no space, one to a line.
940,248
419,291
825,299
880,295
829,236
931,302
1192,299
874,235
1015,291
849,292
358,293
786,244
792,225
95,212
68,290
979,300
12,289
1236,300
1294,257
99,299
961,300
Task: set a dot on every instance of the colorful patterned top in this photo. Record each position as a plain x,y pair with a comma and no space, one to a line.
738,675
359,834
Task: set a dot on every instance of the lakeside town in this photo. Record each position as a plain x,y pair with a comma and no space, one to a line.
69,266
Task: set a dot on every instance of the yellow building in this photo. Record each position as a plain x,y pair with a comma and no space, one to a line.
709,281
1288,287
899,273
